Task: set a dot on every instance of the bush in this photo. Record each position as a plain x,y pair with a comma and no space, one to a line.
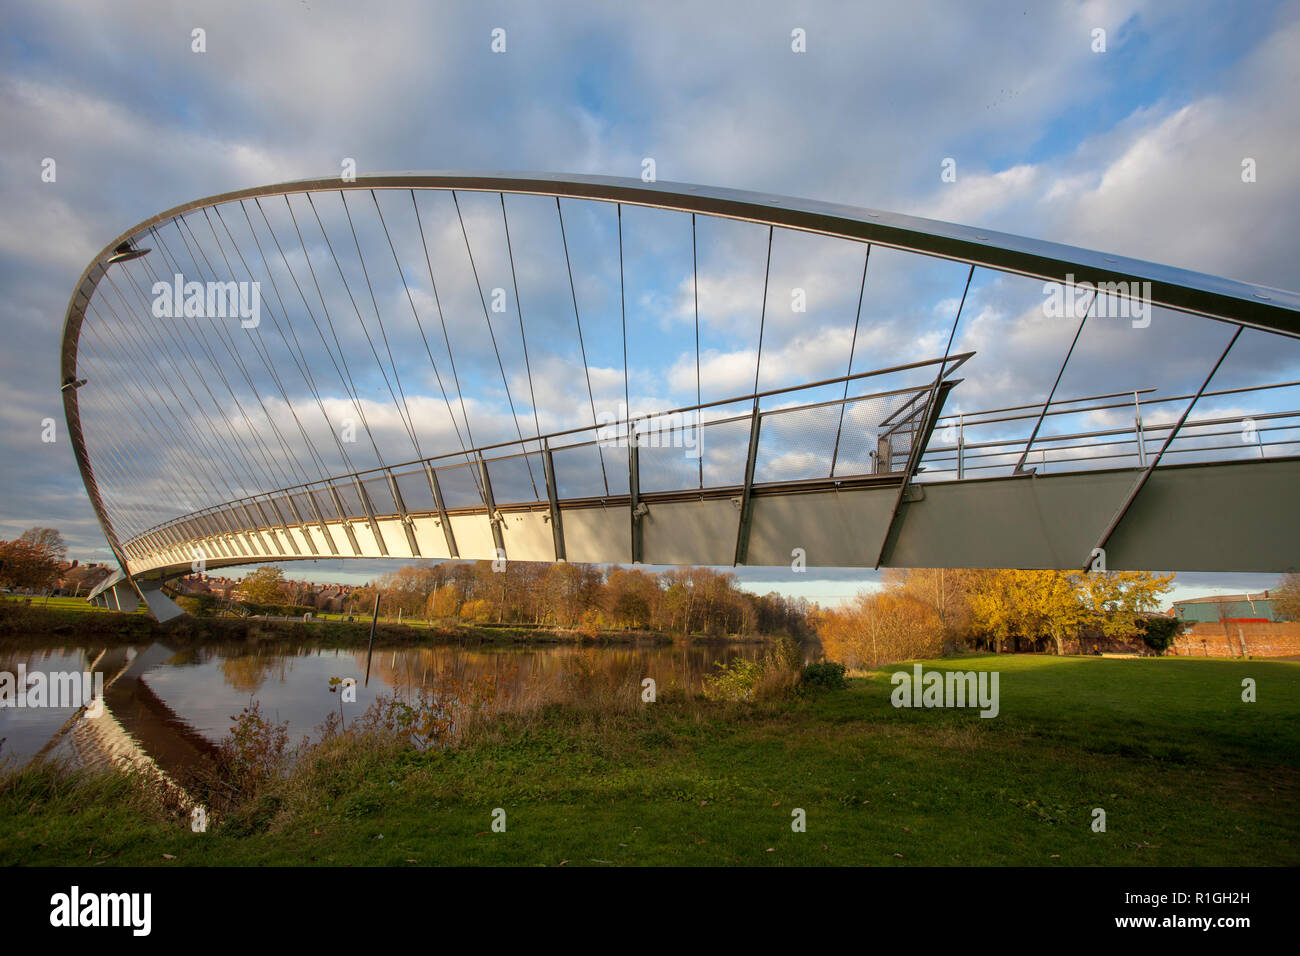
254,752
1158,633
824,675
734,681
774,676
192,606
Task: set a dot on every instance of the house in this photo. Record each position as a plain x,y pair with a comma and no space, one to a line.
76,579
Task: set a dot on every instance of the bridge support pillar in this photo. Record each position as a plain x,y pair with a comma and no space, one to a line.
122,597
159,604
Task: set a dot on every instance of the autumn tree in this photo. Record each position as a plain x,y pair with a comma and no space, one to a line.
881,627
946,590
628,597
265,585
46,542
1286,597
1118,601
362,599
23,565
477,611
407,590
585,596
1039,606
445,602
1029,606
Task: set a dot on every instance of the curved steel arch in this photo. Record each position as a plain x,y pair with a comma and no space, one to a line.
1226,300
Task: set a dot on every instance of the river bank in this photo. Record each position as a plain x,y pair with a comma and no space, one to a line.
1186,773
33,625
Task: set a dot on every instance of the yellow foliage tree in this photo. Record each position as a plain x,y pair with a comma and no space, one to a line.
445,602
477,610
1057,605
880,628
265,585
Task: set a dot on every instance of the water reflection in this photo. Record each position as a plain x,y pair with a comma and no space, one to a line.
168,707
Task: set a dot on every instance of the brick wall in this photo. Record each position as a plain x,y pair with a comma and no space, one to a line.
1277,639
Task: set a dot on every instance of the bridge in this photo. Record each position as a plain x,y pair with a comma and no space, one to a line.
532,367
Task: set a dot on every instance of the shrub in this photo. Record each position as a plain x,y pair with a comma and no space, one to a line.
734,681
1158,632
255,750
772,677
192,606
824,675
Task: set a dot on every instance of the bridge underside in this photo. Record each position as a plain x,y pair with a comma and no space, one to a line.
1237,516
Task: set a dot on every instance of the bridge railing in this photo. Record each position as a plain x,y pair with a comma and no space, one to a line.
1205,438
712,448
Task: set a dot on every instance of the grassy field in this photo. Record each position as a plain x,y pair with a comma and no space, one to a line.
1186,772
77,605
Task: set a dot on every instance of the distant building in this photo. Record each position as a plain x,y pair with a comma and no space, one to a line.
1230,608
75,579
331,598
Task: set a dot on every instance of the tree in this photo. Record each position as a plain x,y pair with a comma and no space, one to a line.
1286,598
478,611
1159,632
47,542
944,589
878,628
407,590
362,600
992,605
628,596
265,585
1119,601
24,565
445,602
1036,606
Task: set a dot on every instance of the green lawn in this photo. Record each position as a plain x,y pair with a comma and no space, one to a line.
1187,773
79,604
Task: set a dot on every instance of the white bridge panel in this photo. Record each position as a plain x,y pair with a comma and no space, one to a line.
473,537
690,532
599,535
834,528
528,536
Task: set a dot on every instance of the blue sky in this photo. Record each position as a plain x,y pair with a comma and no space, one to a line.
1135,150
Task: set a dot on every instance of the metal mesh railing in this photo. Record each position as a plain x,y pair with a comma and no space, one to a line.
518,479
959,450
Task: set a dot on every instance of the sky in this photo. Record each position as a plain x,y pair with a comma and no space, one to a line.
1136,150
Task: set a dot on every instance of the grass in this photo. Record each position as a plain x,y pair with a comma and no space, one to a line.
1187,773
77,605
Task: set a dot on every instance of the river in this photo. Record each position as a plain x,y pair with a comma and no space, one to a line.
171,705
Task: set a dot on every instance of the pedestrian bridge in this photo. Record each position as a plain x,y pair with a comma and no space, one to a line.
546,368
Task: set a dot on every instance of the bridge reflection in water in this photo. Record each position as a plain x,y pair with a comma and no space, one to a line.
166,710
